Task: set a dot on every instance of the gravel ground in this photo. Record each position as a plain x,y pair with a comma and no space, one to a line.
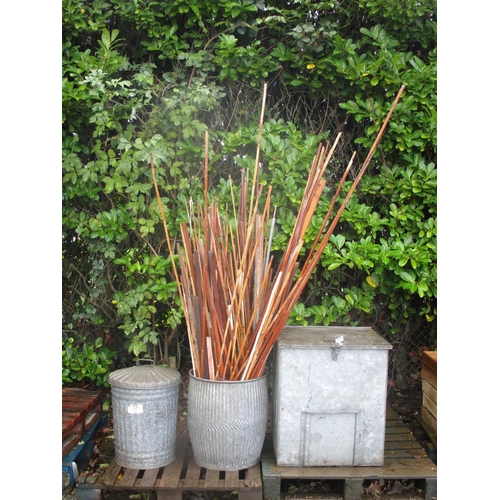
71,495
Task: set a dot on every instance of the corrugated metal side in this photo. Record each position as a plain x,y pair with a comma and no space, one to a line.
227,422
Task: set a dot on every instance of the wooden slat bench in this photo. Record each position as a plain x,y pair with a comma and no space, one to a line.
404,459
170,481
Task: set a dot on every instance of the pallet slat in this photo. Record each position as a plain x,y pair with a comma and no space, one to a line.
429,359
148,480
402,445
232,479
428,411
126,480
429,404
253,477
398,438
69,442
192,474
111,474
429,389
172,472
429,423
211,479
429,375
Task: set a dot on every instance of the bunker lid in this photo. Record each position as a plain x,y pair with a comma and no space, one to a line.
144,377
324,337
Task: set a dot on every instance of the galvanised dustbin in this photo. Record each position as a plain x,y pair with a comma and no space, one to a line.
329,396
145,401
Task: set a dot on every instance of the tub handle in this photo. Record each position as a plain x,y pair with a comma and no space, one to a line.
169,412
145,359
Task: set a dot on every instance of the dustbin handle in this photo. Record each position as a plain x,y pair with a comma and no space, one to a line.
145,359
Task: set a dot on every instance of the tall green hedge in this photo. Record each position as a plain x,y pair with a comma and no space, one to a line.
150,77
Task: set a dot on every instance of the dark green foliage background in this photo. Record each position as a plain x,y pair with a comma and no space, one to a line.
147,77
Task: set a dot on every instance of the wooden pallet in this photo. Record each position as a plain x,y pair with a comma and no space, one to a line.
170,481
404,459
80,410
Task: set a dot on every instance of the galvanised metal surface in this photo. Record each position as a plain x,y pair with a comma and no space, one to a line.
145,401
227,422
329,396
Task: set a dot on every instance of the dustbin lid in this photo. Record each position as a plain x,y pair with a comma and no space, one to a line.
144,377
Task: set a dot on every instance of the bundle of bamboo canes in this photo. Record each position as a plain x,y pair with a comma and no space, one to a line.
236,299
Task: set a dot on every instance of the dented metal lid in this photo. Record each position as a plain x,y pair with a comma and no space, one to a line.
144,377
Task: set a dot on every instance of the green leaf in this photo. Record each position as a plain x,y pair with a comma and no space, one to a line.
334,265
339,240
105,37
408,276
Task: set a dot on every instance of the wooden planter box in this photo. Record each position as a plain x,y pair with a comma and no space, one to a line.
429,394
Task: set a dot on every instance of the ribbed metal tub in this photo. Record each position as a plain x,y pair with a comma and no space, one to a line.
227,422
145,401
